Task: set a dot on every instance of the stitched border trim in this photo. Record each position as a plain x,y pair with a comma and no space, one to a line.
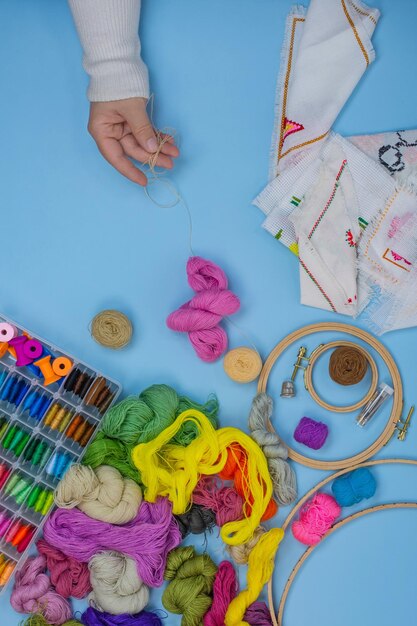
375,232
319,287
286,83
362,12
306,143
330,200
355,32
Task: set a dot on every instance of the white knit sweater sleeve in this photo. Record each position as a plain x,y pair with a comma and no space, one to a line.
108,31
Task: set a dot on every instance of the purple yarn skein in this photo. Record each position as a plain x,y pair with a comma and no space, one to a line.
92,617
311,433
257,614
147,539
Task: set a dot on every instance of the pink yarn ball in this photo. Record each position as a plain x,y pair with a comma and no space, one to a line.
201,316
316,517
33,593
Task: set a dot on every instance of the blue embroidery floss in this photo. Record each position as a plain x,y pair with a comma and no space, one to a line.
354,487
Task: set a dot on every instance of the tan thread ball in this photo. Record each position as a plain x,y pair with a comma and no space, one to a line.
112,329
243,365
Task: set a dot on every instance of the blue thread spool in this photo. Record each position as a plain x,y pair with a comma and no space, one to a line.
14,390
37,404
23,387
3,376
44,407
29,400
7,388
60,465
50,467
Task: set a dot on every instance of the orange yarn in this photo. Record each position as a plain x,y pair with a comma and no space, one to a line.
235,469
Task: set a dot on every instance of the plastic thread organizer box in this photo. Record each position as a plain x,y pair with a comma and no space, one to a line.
50,407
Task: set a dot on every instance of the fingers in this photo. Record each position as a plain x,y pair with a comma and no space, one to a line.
132,149
169,147
113,152
140,125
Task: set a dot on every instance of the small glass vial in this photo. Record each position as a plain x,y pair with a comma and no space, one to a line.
381,394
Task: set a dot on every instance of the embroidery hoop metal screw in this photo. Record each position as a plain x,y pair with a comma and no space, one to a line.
401,427
288,387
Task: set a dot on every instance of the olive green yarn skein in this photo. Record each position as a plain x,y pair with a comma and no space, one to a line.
39,620
189,592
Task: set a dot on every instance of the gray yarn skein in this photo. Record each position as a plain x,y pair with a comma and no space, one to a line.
276,452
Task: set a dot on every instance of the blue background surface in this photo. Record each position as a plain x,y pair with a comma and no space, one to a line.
77,238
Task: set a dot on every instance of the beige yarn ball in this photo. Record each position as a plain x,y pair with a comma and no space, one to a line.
112,329
240,554
117,588
102,494
243,365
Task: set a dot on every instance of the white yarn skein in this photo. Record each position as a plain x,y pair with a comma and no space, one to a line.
117,588
103,494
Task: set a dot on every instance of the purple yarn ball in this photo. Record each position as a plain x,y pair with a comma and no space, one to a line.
311,433
92,617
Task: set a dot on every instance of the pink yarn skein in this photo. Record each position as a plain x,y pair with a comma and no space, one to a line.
317,516
201,316
224,501
225,588
69,576
33,593
147,538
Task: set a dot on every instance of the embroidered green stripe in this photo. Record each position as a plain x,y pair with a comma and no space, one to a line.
279,233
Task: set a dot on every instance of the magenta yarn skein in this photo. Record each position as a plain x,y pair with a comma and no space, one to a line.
225,588
201,316
92,617
311,433
33,593
147,539
316,517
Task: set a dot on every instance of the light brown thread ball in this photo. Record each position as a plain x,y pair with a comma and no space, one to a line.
112,329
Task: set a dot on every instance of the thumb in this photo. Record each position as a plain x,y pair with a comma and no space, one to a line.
141,127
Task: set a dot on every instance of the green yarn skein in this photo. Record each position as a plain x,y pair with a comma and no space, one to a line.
106,451
190,591
141,419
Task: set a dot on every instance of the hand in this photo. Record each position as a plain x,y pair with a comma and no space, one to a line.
122,131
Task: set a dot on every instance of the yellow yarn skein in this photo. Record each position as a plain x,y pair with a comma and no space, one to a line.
173,471
260,569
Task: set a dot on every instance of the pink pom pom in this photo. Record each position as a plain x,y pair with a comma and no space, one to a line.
317,516
201,316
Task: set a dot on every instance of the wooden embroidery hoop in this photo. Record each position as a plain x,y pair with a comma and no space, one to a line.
397,405
277,617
